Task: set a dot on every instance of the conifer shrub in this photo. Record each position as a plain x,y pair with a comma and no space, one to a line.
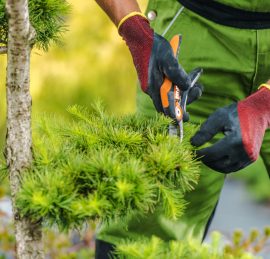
47,18
186,249
105,167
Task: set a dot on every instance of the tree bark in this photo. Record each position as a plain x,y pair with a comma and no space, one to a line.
19,137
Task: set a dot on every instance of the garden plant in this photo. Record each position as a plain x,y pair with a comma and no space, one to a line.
105,167
101,167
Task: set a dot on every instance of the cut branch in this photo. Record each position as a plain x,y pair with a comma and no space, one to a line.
19,140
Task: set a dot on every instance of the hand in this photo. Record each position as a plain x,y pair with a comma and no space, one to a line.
153,58
243,124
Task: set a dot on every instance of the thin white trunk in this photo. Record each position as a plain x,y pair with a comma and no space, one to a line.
19,140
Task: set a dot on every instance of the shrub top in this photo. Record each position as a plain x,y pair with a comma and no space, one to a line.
46,16
106,167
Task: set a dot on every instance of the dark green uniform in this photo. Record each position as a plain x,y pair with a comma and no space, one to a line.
235,62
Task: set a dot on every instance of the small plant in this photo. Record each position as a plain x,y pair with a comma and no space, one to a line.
156,248
106,167
255,243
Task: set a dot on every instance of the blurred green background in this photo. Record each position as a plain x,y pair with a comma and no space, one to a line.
92,63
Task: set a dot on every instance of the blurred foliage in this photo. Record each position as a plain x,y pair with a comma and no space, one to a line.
69,246
80,245
4,185
73,245
255,242
257,181
106,167
186,249
7,238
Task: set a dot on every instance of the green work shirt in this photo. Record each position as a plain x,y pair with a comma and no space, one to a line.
249,5
235,62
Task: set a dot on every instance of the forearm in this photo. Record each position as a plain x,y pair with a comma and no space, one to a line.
117,9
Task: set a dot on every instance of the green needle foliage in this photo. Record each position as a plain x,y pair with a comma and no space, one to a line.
46,16
185,249
105,167
3,24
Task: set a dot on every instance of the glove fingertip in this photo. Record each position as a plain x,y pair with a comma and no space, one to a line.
200,86
200,154
197,140
194,94
194,142
186,117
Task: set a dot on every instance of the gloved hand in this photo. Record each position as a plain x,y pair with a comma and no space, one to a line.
153,58
243,124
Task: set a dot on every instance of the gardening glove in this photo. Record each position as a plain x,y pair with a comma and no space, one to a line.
153,58
243,124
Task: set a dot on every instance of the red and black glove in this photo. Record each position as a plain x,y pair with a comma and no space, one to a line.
153,58
243,124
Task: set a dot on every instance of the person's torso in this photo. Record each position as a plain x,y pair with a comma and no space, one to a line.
249,5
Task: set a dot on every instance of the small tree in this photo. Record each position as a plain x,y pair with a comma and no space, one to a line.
18,34
105,167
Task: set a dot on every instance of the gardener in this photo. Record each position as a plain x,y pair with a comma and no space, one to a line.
230,40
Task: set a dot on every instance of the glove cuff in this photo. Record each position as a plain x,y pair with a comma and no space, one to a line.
135,28
139,37
129,16
267,85
259,102
254,117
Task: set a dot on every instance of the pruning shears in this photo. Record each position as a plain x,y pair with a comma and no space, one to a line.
173,100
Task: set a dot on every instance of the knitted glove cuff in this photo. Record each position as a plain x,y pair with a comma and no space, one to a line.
139,37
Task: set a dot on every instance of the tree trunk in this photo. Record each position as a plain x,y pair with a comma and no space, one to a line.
19,140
